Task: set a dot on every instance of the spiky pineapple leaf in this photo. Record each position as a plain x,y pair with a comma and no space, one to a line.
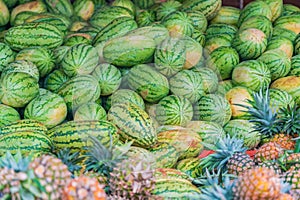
71,159
289,118
16,162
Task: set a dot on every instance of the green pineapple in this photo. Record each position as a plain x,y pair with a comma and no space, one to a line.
229,155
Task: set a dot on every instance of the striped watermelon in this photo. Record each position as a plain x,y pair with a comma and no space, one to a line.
129,50
144,4
23,125
90,111
239,95
109,78
61,7
199,37
281,43
178,23
209,131
227,15
79,90
59,54
222,60
290,22
21,17
259,22
80,59
276,7
75,134
187,143
148,83
188,84
199,21
116,28
280,99
134,124
42,57
190,166
250,43
165,155
278,63
126,4
145,18
170,173
170,56
8,115
243,129
33,34
213,107
48,108
277,31
77,38
4,14
17,89
193,52
295,65
6,56
212,43
55,80
175,188
140,154
106,14
22,66
214,30
224,86
84,9
297,44
208,7
290,84
125,95
166,8
174,110
27,142
252,74
209,79
255,8
289,9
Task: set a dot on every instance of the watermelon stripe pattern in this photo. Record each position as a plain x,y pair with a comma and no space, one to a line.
8,115
90,111
23,126
134,124
125,95
166,155
280,99
33,34
157,33
259,22
208,7
22,66
74,134
6,55
147,82
62,7
55,80
190,166
26,141
174,110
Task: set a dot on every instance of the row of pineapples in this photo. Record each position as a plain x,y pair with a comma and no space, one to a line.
108,173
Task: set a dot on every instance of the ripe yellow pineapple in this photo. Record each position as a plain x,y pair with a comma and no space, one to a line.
285,141
268,151
257,183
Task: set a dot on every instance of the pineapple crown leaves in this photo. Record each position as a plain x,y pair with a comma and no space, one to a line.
261,114
16,162
102,159
290,119
224,149
71,159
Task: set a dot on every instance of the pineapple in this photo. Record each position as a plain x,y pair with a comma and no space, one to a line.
229,155
52,173
285,196
17,181
290,161
268,151
293,178
271,164
83,188
257,183
72,159
285,141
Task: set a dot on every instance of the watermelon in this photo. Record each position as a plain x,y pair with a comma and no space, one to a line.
224,86
259,22
282,43
55,80
77,38
280,99
277,31
90,111
214,30
215,42
227,15
290,22
109,78
188,84
239,95
199,36
17,89
252,74
145,18
243,129
4,14
80,59
174,110
33,34
193,52
212,107
170,173
147,82
61,7
126,4
22,66
23,126
134,124
125,95
48,108
165,155
209,79
297,44
179,24
170,56
144,4
222,60
250,43
208,7
59,53
6,56
199,21
138,154
165,8
79,90
84,9
289,9
295,65
278,63
190,166
129,50
42,57
276,7
7,115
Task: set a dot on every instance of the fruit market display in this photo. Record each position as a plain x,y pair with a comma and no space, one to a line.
149,99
